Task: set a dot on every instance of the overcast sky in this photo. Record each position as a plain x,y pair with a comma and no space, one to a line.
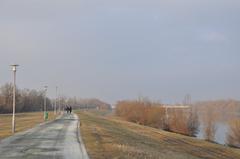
121,49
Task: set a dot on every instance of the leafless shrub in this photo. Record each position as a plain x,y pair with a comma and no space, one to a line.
193,123
26,99
142,112
224,110
178,121
183,121
209,125
233,138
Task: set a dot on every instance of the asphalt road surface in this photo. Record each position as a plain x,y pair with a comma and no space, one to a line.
59,139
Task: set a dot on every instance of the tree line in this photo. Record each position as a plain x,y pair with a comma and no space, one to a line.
90,103
30,100
27,100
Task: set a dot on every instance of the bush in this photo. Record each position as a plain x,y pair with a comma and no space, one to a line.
183,121
142,112
233,138
209,125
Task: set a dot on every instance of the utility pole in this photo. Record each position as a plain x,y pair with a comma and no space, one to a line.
45,103
187,100
14,69
55,107
59,101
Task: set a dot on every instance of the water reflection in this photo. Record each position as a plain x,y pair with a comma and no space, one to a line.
221,132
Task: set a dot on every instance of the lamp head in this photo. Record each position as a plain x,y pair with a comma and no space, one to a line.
14,67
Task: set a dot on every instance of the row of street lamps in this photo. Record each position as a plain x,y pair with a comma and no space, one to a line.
14,69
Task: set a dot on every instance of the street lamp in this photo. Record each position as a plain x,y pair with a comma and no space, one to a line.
45,103
14,69
55,106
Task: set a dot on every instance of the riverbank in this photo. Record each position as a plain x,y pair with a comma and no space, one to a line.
109,137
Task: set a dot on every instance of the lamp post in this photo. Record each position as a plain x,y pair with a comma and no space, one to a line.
45,103
55,106
14,69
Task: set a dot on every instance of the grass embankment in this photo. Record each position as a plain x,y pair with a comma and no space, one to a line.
24,121
110,138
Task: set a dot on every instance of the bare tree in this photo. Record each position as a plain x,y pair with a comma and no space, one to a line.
193,122
26,100
187,99
178,121
210,125
7,95
233,138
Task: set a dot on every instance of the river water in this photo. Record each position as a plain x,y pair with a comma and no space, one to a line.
221,132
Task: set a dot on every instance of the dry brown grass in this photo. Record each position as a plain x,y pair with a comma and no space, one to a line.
24,121
109,138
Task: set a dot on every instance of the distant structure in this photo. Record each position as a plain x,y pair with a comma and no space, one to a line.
187,100
169,108
176,106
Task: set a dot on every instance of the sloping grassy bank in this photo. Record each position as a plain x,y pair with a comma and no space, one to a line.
24,121
109,138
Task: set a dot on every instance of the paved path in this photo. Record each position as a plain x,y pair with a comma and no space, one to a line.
58,140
